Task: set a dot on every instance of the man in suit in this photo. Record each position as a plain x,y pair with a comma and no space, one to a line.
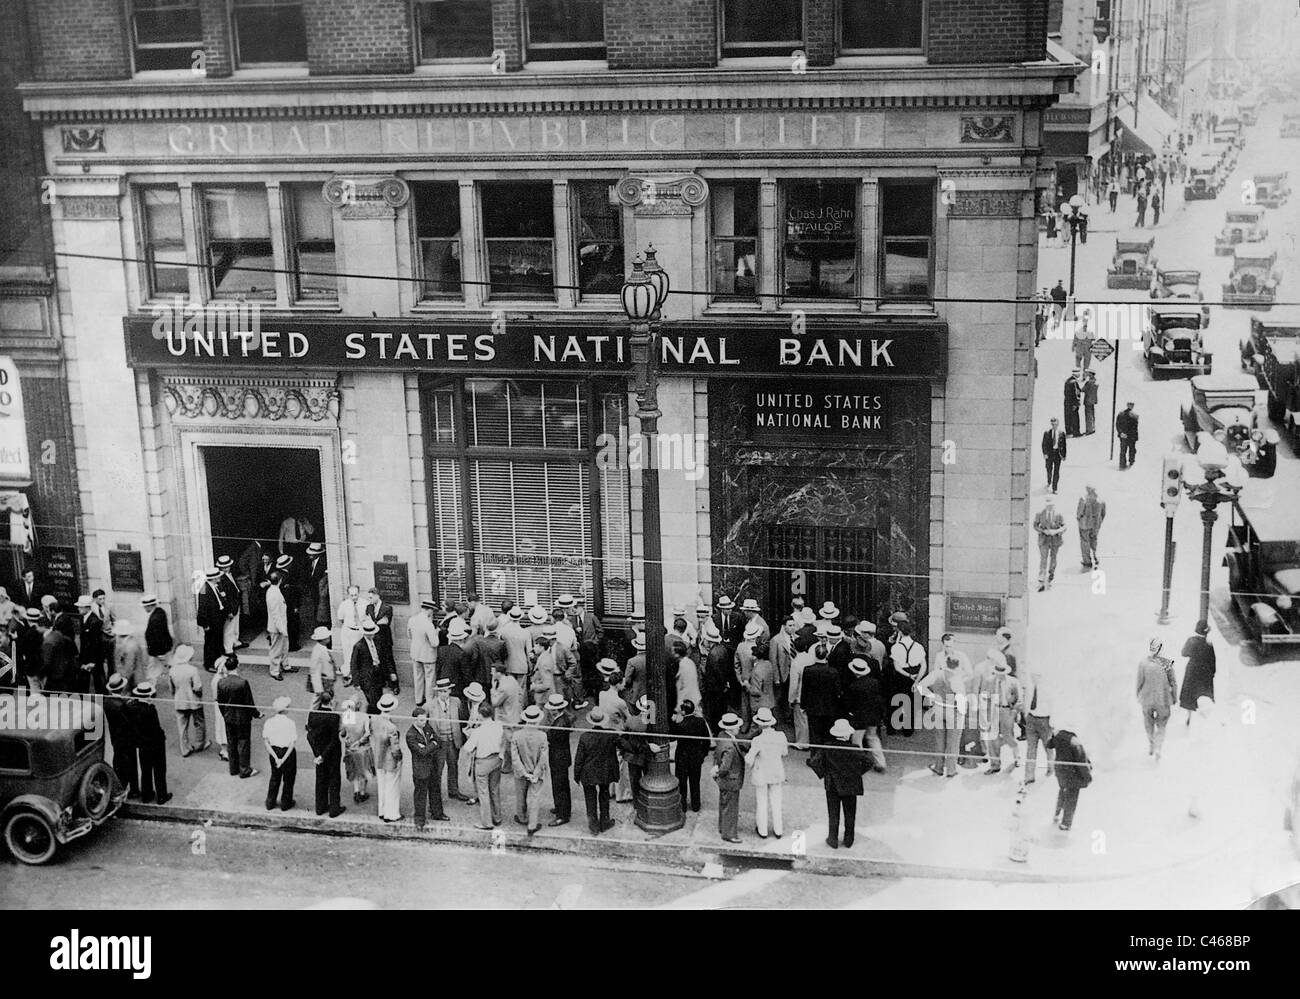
119,733
59,667
327,752
445,717
212,615
249,576
719,674
150,743
422,741
559,757
316,606
729,621
90,655
187,698
29,591
530,762
1054,448
517,644
729,772
841,767
487,652
1126,426
382,614
277,625
157,633
233,600
632,688
1157,693
635,743
1089,515
235,702
693,737
368,670
31,637
1050,526
864,703
424,639
291,590
820,695
591,634
1070,403
595,767
1090,402
1073,773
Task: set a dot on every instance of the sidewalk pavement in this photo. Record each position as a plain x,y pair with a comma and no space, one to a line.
910,822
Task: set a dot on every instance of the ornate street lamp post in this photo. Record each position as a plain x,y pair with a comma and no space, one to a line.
1076,217
659,803
1224,479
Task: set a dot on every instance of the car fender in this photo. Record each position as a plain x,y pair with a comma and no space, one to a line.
31,803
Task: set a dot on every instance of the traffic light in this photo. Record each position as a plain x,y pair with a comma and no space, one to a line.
1171,483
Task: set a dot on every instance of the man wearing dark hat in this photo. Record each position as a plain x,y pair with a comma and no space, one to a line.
235,702
1126,426
212,615
820,695
234,601
595,767
530,762
327,752
559,757
150,743
119,733
422,741
729,772
693,739
841,767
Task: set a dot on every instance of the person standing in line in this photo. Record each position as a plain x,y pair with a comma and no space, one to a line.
946,687
280,736
561,617
820,695
218,719
249,575
1156,694
595,767
358,751
382,615
1126,426
422,742
320,677
291,589
729,772
799,717
489,651
350,616
315,607
632,687
753,615
744,661
150,743
1073,774
864,702
1054,449
187,694
235,702
761,689
506,698
1050,526
1089,401
1198,677
907,657
516,642
324,739
277,625
212,618
529,760
445,716
368,667
233,600
686,678
455,663
591,633
487,745
694,737
1038,725
128,654
479,614
387,744
157,634
766,763
424,638
1000,703
634,744
1089,514
781,652
90,649
125,764
1070,404
841,768
559,757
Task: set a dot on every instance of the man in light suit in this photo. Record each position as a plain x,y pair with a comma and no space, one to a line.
187,695
1156,693
1050,526
444,715
424,636
729,772
1054,449
529,760
212,618
517,642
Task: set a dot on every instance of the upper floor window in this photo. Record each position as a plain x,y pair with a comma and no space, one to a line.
598,236
437,231
163,242
165,34
869,26
907,239
733,208
454,29
819,238
237,235
770,28
311,230
519,236
270,32
565,29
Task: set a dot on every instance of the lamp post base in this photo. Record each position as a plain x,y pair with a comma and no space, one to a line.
659,803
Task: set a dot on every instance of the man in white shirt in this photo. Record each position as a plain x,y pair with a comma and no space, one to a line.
479,614
350,614
564,633
187,694
277,627
424,650
1038,723
280,733
321,675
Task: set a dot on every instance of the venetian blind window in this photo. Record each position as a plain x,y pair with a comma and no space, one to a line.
519,234
269,32
598,218
761,27
312,227
239,258
882,26
734,215
565,29
819,239
164,242
165,34
615,509
454,29
437,231
907,238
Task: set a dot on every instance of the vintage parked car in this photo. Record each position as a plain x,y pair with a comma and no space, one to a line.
1263,560
1271,189
1171,341
1240,225
1272,354
1227,408
1204,178
54,784
1183,285
1290,125
1254,278
1132,266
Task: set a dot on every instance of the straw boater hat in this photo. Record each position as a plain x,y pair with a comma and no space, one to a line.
702,610
284,561
442,684
474,693
116,682
458,630
998,660
515,613
84,601
822,628
898,617
212,573
565,600
807,616
730,722
750,604
859,667
638,641
281,704
597,718
711,633
725,602
536,615
1004,632
842,730
607,667
388,703
556,702
532,714
144,689
315,548
1154,646
865,628
829,611
677,611
321,634
752,631
149,600
428,605
182,654
368,627
349,705
835,631
764,718
549,632
225,562
32,614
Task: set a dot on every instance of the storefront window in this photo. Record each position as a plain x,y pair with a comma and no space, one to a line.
882,25
519,233
819,239
566,29
312,222
437,231
239,258
164,243
165,34
454,29
598,238
907,238
734,215
772,28
523,472
270,32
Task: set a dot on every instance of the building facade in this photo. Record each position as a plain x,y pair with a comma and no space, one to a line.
359,265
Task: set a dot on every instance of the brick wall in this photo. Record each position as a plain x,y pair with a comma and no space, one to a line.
987,31
819,31
218,48
507,31
358,36
667,34
79,39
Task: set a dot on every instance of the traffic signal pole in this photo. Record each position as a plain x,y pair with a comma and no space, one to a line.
1163,617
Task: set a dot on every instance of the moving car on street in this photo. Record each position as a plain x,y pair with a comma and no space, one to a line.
1183,285
1204,177
1254,278
1272,354
1172,342
1225,407
1271,189
1132,266
1240,225
1263,561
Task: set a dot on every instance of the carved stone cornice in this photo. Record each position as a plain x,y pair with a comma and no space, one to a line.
310,400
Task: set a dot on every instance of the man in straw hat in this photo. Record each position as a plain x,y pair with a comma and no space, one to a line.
280,736
423,744
324,739
125,764
729,772
158,642
530,762
368,671
634,742
559,757
693,740
864,703
187,694
454,662
946,687
633,686
766,760
234,601
841,767
212,616
128,654
321,672
595,767
150,743
445,716
1000,702
387,744
487,746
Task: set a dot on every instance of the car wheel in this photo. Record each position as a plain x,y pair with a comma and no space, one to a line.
95,795
30,837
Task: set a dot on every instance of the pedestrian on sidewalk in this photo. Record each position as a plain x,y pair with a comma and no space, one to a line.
321,673
595,767
1050,526
841,767
634,744
444,715
235,702
1059,297
128,654
125,763
798,716
820,695
324,738
387,743
368,670
1054,447
946,688
280,735
1141,208
1112,192
559,757
150,743
349,617
277,625
506,697
1000,703
218,721
529,761
1156,694
693,742
1126,426
1155,207
423,745
211,617
424,636
1073,774
157,634
762,680
1038,725
1089,514
766,762
729,772
358,753
234,602
1089,396
486,745
1072,394
1198,676
864,703
187,698
382,615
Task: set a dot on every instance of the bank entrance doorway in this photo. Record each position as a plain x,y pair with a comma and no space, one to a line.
819,564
